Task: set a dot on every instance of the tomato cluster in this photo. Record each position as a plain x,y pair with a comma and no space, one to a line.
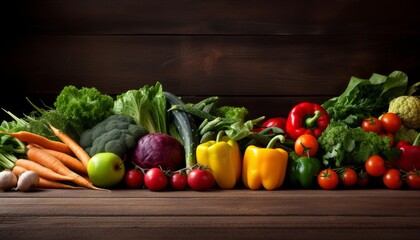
385,126
156,179
392,178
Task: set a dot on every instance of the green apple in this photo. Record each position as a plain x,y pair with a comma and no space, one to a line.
106,169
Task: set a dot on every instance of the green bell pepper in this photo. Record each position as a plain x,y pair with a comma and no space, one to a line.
302,171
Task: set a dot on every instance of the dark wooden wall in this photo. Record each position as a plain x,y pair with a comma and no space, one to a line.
264,55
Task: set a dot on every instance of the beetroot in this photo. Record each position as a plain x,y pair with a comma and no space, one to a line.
159,150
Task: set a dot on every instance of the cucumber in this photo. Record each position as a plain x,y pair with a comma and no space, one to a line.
187,129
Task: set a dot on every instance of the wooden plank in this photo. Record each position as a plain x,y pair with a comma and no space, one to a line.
233,214
249,221
234,66
215,203
214,17
204,233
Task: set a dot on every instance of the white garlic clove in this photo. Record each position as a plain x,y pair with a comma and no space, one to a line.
8,180
27,181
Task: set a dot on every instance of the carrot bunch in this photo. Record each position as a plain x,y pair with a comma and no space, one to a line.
58,163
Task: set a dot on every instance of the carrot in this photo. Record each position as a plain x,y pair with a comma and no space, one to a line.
40,140
80,153
17,170
44,158
41,170
71,162
45,183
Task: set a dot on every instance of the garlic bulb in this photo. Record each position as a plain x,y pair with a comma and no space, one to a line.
27,181
8,180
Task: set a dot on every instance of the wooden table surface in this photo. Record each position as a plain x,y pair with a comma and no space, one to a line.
215,214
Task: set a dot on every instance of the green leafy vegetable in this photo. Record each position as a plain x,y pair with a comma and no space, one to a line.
342,145
83,108
147,106
366,97
231,112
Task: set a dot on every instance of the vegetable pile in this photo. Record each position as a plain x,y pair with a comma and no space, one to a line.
150,138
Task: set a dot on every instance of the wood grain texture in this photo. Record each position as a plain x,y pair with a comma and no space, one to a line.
271,50
233,214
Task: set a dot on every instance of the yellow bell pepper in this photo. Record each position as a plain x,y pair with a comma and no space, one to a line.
264,167
223,157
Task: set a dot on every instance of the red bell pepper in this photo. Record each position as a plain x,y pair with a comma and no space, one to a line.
279,122
409,158
307,118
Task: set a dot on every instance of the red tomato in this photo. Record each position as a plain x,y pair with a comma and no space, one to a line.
134,178
200,179
375,166
178,181
155,179
392,178
413,179
305,144
328,179
391,122
362,179
372,124
349,177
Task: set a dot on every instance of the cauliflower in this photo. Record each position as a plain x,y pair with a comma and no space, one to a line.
408,108
405,134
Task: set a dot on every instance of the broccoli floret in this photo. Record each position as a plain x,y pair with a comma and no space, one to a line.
117,134
341,145
231,112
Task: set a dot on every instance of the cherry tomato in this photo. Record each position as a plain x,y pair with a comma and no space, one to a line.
134,178
328,179
413,179
305,144
392,178
391,122
372,124
155,179
200,179
375,166
349,177
362,179
178,181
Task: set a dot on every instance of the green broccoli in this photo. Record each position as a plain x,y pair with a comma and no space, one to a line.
117,134
341,145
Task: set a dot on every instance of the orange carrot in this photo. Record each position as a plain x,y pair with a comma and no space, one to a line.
42,171
40,140
80,153
70,161
45,183
42,157
17,170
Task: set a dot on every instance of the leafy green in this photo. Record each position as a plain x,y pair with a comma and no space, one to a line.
11,148
147,106
231,112
366,97
83,108
342,145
